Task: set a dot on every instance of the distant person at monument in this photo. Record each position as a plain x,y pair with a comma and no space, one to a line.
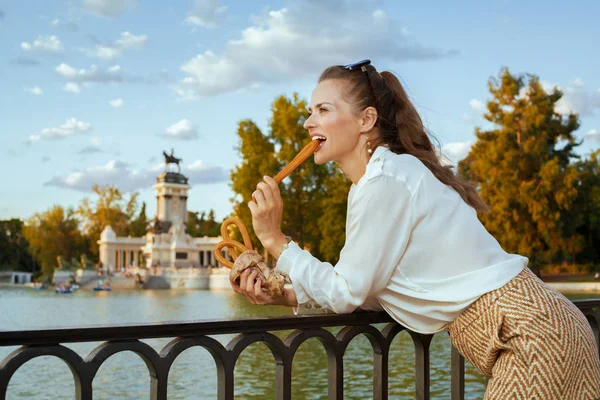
416,249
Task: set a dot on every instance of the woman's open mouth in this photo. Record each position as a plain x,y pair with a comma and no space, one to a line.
321,139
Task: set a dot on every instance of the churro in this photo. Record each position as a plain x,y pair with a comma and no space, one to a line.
306,152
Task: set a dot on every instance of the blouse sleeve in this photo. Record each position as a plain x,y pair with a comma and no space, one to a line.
378,229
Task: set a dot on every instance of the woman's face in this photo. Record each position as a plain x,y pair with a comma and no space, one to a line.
332,118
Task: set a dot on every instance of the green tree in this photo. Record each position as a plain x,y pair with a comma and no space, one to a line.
138,226
203,225
211,226
54,233
582,221
332,222
14,248
521,167
195,224
110,208
307,215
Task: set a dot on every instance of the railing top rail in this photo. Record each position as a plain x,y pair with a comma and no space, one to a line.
168,329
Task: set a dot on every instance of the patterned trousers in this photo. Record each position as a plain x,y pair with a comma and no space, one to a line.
531,341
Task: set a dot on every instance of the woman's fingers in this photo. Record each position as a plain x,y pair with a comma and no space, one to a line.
273,185
249,288
266,192
235,286
258,197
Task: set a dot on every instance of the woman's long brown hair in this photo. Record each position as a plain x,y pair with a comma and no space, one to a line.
399,123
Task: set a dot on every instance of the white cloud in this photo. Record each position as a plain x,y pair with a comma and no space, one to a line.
81,77
110,51
93,147
200,173
44,44
206,13
104,52
477,105
300,42
35,91
130,41
456,151
183,130
107,8
72,87
33,139
116,103
593,134
576,98
71,127
55,22
127,178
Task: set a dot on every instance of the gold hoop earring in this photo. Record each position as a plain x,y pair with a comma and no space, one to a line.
369,149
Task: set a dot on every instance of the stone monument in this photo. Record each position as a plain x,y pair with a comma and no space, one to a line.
167,244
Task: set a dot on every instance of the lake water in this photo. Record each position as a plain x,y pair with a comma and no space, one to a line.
193,375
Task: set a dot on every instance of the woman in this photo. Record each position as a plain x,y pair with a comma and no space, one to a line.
416,249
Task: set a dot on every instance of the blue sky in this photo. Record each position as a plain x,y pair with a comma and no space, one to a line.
92,91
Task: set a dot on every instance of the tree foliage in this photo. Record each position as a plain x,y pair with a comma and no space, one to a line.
523,171
54,233
310,216
203,225
138,227
14,247
110,208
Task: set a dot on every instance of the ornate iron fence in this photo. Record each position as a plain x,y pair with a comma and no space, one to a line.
36,343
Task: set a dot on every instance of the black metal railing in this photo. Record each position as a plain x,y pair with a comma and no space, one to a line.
36,343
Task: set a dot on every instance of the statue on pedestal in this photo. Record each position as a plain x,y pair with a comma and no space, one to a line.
171,159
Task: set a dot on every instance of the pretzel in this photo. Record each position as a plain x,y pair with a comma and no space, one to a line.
237,247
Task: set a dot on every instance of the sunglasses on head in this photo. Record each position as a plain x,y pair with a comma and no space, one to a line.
363,67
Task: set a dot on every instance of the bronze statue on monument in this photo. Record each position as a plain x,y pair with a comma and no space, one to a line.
171,159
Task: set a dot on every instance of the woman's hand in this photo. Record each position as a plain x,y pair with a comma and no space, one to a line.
267,209
251,288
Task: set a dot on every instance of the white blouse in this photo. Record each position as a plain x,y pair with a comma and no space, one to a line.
413,248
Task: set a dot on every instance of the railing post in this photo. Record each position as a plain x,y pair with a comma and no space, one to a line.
225,378
283,379
422,373
335,368
158,386
380,374
457,375
83,388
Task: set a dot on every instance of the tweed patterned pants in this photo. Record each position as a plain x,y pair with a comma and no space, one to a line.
531,341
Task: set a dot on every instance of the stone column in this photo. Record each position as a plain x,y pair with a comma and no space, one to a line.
136,258
183,208
167,207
